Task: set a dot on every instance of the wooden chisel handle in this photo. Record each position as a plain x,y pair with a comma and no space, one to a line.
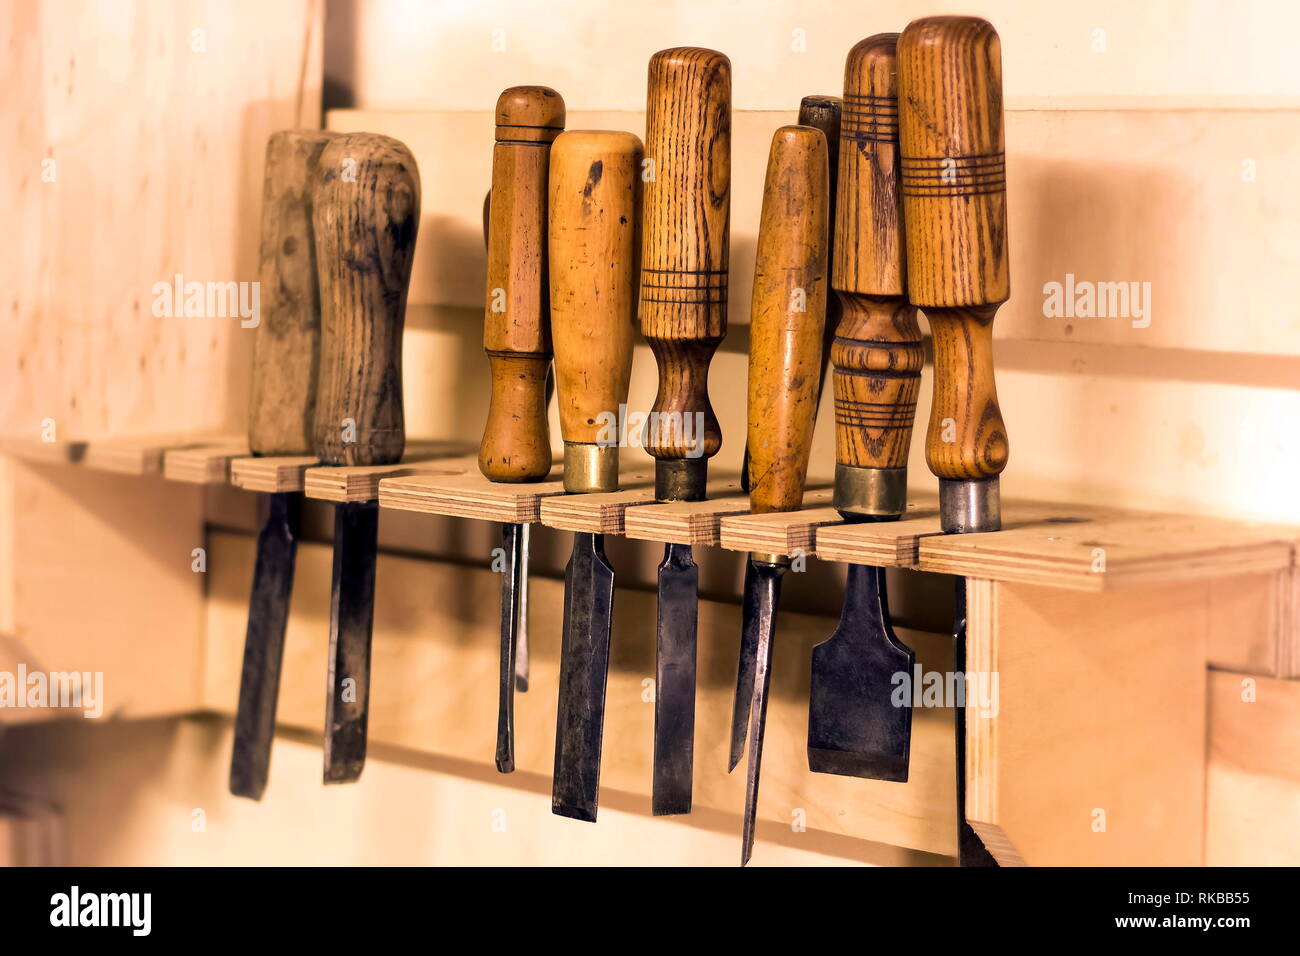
954,202
366,212
787,317
286,350
877,351
684,256
516,442
595,213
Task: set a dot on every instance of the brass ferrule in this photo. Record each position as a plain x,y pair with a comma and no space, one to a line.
768,557
681,479
589,468
870,492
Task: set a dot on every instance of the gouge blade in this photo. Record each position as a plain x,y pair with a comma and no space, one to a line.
970,848
584,667
268,613
512,544
760,615
855,727
744,669
675,638
352,605
521,641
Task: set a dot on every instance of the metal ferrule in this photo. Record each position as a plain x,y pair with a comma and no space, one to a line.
870,492
771,558
589,468
970,505
681,479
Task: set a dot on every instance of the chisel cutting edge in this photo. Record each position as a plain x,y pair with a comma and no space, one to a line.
684,318
286,353
955,203
854,728
594,199
787,317
516,445
366,213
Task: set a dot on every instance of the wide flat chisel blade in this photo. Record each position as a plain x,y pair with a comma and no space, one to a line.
584,667
760,609
971,850
512,543
352,605
521,629
675,639
856,727
268,614
744,671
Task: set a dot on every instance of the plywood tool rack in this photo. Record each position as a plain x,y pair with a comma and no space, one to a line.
1097,622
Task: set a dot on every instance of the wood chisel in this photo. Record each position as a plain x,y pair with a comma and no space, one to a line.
516,445
684,318
595,204
366,213
854,727
954,201
285,357
787,319
823,113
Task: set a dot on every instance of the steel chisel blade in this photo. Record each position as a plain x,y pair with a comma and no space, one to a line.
352,605
512,544
268,614
675,640
854,726
584,667
760,615
744,672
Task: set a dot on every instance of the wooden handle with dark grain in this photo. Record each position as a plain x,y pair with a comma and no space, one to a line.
686,244
366,211
594,253
787,317
954,202
877,351
286,350
516,443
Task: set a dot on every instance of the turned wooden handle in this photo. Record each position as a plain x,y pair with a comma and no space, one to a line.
516,442
954,202
286,349
787,317
826,114
366,210
594,253
877,350
686,225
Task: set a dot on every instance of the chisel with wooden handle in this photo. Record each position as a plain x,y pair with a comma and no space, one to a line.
823,113
366,213
595,206
516,445
854,728
683,314
787,319
955,205
285,356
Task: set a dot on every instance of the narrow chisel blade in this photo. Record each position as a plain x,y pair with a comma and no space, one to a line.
765,595
744,670
675,639
352,605
512,543
856,727
970,848
268,613
584,667
521,640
